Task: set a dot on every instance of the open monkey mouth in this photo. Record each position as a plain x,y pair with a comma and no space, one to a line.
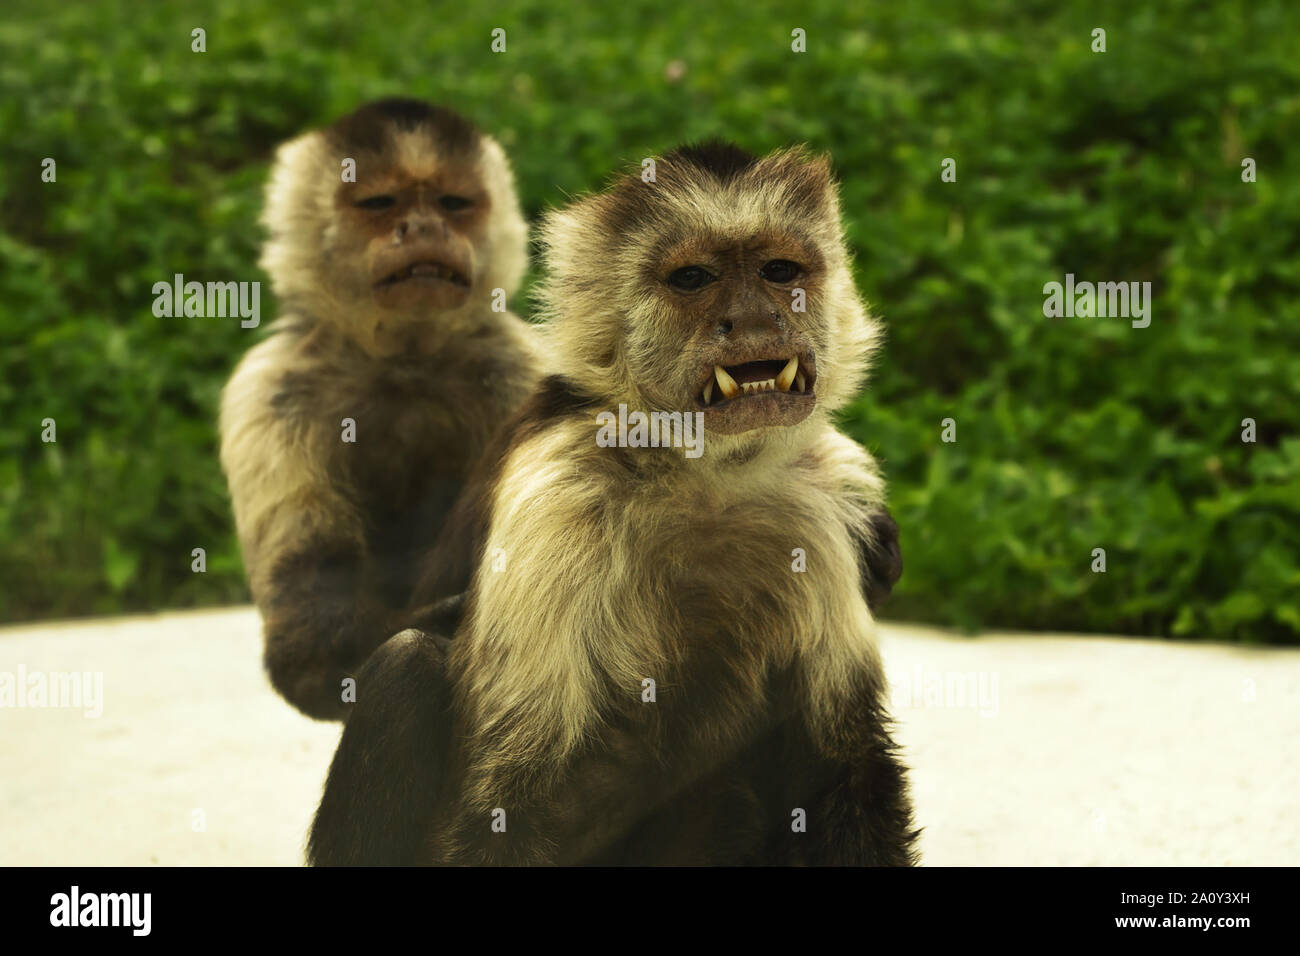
425,270
732,382
764,392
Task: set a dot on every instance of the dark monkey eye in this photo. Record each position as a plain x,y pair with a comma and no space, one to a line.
780,270
689,278
454,203
376,202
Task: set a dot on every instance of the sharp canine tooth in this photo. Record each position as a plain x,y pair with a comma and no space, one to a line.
799,381
725,382
708,392
787,374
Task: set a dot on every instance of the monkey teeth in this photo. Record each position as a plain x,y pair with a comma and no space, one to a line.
784,380
790,375
725,382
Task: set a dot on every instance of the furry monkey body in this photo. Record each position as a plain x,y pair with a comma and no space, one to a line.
756,666
739,583
348,433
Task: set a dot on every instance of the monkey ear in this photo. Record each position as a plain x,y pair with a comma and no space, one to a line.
298,205
820,170
509,228
819,165
804,180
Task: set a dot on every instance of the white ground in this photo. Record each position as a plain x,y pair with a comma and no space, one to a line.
1083,750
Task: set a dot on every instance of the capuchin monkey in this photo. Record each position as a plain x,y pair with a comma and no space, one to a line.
663,659
395,237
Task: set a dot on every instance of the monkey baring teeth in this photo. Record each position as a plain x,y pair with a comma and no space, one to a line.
751,378
772,695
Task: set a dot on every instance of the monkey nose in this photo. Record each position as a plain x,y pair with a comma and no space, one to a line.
422,226
750,323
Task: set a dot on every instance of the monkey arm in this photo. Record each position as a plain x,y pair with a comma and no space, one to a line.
863,817
848,776
859,492
387,773
843,772
321,622
303,539
312,577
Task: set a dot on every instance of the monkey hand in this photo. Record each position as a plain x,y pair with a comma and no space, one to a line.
880,559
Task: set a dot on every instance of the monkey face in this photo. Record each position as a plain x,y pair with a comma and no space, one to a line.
721,285
750,359
416,239
414,244
739,303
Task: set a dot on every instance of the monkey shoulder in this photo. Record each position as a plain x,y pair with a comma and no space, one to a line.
276,380
520,462
849,475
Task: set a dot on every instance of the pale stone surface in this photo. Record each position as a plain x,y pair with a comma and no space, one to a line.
189,723
1104,751
1084,751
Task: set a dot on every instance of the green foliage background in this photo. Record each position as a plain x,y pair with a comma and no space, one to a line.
1072,433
